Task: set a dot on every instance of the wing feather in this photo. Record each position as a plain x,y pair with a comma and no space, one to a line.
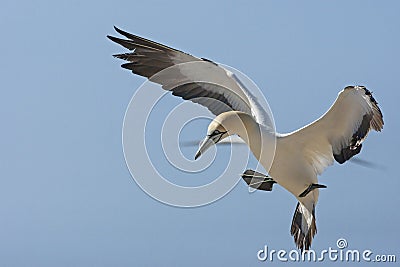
339,133
196,79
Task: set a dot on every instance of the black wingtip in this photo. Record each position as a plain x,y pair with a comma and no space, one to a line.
128,66
128,44
118,30
113,38
110,37
116,39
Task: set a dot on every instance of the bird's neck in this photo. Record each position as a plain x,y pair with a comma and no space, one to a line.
260,140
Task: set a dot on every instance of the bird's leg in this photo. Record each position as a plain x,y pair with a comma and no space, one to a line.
310,188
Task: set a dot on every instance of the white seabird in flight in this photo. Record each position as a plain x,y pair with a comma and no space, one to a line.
299,157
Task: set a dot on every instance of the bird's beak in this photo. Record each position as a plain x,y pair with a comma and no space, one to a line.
204,145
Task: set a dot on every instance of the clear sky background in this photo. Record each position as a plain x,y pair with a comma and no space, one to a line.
66,195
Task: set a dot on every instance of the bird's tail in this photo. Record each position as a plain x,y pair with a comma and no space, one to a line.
303,227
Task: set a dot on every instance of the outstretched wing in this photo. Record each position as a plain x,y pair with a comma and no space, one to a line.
191,78
339,133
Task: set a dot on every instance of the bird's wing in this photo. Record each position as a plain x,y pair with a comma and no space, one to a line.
339,133
191,78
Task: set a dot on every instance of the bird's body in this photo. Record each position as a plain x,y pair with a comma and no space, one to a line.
293,160
296,177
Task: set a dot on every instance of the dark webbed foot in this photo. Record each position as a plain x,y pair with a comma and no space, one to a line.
310,188
258,180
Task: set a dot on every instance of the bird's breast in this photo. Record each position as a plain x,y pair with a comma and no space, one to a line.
291,170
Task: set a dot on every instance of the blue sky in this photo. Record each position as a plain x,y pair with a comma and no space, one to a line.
67,197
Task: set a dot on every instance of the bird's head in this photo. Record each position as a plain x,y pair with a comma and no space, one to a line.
224,125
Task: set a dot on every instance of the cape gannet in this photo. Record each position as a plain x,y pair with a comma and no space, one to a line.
299,156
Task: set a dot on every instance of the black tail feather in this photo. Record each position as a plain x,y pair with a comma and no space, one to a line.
303,239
